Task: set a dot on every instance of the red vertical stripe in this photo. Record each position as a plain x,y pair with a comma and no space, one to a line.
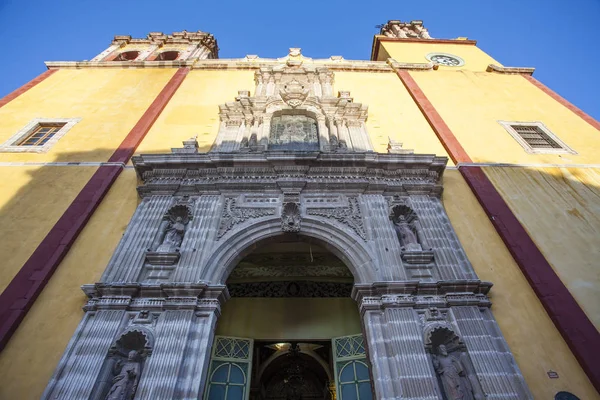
443,132
21,293
11,96
563,101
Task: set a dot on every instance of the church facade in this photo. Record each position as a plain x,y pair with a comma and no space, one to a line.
416,226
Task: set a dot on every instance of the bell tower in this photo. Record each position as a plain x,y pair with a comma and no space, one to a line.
157,46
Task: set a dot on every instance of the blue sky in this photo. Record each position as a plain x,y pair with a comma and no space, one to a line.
558,38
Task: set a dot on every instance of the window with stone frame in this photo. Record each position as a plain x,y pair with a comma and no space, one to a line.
536,138
39,135
293,132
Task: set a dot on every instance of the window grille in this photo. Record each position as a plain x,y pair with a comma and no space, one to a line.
536,138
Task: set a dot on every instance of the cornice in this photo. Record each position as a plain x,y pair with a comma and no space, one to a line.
382,38
335,63
197,173
510,70
417,294
158,297
117,64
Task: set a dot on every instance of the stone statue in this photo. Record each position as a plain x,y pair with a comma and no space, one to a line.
173,235
454,377
126,378
405,234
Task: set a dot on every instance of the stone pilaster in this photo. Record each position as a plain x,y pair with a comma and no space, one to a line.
400,366
128,259
496,368
79,367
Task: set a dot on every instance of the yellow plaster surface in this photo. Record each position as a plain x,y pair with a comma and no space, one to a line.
32,199
475,58
392,112
289,318
472,103
194,110
560,209
534,341
108,101
30,357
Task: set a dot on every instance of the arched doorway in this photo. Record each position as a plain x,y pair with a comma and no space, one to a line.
290,305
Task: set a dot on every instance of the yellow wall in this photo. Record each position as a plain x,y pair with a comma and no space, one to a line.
532,337
475,59
472,103
30,357
108,101
392,112
32,199
194,110
560,209
289,318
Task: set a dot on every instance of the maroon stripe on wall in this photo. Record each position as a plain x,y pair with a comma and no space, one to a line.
443,132
23,290
563,101
568,317
576,328
11,96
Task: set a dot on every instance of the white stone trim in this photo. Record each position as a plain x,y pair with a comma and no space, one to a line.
508,125
11,145
437,53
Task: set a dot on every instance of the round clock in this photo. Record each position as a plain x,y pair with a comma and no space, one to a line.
445,59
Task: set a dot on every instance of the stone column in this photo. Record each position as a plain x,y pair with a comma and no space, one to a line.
399,364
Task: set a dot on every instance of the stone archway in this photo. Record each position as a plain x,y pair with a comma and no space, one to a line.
345,245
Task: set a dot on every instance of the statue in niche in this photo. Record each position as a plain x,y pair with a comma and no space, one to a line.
404,231
126,378
453,375
177,218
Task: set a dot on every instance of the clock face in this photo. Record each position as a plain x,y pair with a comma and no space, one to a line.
445,59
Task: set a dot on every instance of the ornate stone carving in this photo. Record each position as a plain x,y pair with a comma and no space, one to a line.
455,371
290,218
349,215
452,374
232,215
290,289
405,30
293,93
397,148
119,376
177,218
293,89
408,230
126,378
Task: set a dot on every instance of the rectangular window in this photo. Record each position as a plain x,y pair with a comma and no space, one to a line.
41,134
536,138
